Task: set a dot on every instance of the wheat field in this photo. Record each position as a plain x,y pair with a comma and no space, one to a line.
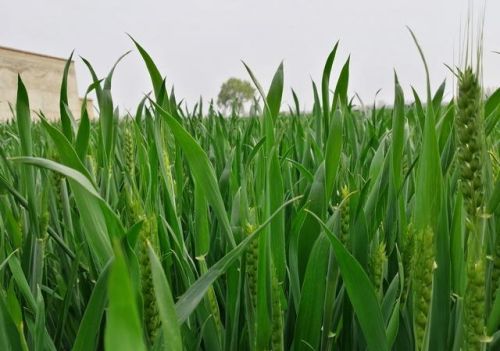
342,228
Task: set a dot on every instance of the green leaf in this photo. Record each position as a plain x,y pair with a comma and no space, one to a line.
275,93
192,297
39,334
102,223
325,88
429,175
277,227
23,118
166,307
333,152
88,331
340,95
361,294
106,124
82,138
202,235
312,298
492,103
152,69
123,328
9,336
66,118
201,169
22,283
24,126
65,150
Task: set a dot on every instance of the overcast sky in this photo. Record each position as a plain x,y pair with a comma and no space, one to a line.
198,44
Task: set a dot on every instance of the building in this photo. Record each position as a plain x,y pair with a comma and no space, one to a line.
42,76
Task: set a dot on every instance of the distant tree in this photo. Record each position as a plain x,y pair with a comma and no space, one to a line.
234,93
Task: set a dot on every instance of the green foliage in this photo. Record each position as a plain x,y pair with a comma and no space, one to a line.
233,94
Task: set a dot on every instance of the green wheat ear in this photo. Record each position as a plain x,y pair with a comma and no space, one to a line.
408,257
44,223
92,164
377,263
171,182
495,272
20,224
471,144
251,266
56,179
277,316
148,235
345,216
471,156
251,259
422,283
129,152
214,308
474,306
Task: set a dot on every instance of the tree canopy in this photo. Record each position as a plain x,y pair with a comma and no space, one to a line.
234,93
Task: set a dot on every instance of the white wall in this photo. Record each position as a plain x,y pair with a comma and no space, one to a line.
42,76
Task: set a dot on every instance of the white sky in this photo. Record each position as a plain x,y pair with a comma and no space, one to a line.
198,44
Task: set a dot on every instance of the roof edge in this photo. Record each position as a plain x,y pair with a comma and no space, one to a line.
34,53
